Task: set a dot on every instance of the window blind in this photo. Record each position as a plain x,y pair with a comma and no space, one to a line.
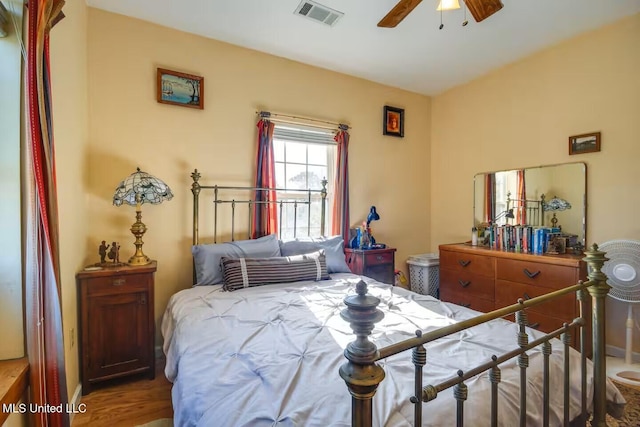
299,134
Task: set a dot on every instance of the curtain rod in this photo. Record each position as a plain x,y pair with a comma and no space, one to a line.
269,115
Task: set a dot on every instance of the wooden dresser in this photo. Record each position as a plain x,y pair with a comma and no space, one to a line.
378,264
117,324
484,279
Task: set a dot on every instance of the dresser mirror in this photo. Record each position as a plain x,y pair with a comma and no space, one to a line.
547,196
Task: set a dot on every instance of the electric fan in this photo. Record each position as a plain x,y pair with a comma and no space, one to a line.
623,275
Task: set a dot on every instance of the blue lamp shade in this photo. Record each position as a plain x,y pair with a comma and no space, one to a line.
373,215
143,187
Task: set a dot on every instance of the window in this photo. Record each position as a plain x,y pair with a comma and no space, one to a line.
506,183
303,158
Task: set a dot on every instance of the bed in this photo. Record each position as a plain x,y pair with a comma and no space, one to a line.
270,355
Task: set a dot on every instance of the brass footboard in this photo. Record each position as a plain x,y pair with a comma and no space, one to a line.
363,375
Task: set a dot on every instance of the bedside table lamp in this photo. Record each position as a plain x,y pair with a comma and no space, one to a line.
136,189
554,205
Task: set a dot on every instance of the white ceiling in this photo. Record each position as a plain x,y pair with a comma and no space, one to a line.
415,55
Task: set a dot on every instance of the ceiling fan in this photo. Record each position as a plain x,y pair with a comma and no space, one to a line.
480,9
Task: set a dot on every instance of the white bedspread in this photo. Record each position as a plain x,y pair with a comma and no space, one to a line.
269,356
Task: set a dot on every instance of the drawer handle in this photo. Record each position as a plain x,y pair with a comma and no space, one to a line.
465,305
530,274
463,262
534,325
118,282
379,257
526,296
463,283
143,299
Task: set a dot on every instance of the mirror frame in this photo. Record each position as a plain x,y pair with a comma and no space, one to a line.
479,179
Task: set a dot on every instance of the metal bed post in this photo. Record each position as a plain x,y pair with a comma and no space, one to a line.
419,356
361,373
582,299
566,340
323,194
523,362
195,189
495,376
598,289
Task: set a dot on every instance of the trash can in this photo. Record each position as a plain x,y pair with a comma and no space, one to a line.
424,274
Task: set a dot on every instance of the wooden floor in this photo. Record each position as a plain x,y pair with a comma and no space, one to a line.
127,402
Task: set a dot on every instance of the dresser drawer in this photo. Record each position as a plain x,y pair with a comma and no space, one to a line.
379,258
474,264
464,282
508,293
117,284
536,273
466,300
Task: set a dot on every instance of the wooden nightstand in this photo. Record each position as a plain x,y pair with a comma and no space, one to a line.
117,324
378,264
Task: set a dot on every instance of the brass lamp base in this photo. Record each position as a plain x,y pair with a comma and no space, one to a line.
139,260
138,229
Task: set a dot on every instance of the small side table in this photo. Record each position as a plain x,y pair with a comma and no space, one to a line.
379,264
116,323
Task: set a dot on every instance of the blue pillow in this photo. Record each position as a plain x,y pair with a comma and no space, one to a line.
333,248
207,257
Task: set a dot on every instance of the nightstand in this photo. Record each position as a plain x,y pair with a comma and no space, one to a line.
116,323
379,264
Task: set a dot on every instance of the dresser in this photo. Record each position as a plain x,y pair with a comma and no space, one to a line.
117,325
379,264
484,279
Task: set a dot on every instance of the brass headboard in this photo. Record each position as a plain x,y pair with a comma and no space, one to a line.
533,208
306,197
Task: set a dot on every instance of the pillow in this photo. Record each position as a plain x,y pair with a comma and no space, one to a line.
333,247
248,272
207,257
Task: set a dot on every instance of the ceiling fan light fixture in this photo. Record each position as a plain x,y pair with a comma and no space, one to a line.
448,5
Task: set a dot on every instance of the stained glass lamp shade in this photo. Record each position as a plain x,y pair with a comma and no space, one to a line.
138,188
554,205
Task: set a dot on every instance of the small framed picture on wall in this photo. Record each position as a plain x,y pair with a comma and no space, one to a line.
393,121
585,143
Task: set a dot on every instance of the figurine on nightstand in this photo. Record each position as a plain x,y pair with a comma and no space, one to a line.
102,251
114,253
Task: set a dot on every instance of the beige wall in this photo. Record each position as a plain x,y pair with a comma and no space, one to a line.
522,115
12,343
70,111
128,128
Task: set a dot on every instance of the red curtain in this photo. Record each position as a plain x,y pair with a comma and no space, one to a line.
340,209
43,315
521,214
265,210
489,197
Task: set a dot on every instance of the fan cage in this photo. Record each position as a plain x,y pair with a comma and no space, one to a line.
622,255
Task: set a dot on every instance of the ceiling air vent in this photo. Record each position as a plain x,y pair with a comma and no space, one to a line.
317,12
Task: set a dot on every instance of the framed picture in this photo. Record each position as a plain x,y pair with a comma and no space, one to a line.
393,121
585,143
178,88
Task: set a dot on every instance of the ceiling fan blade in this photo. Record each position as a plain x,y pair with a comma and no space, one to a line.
482,9
398,13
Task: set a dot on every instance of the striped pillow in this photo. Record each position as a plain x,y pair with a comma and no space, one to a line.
248,272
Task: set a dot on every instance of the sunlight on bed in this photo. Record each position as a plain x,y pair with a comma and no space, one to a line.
403,316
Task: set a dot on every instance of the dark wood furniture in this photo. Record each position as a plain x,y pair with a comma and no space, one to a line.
117,325
484,279
378,264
